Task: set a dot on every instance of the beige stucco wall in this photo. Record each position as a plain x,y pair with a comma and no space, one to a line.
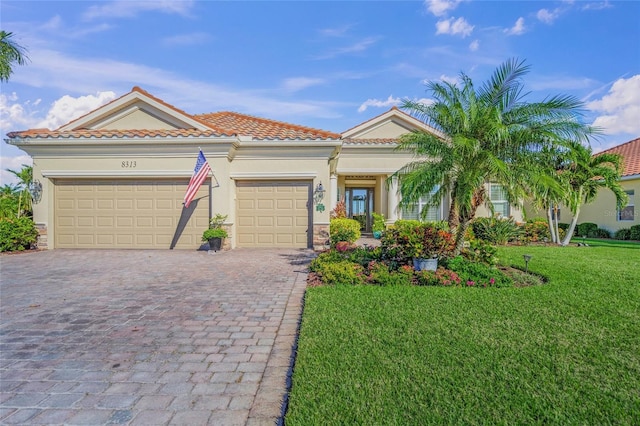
603,210
387,129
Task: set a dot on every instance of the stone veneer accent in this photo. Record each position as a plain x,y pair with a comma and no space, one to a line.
320,236
42,241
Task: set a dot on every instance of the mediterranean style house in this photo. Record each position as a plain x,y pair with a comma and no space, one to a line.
116,177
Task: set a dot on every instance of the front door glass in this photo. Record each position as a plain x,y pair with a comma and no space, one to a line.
359,204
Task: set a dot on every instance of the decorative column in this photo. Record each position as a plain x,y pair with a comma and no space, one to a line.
333,191
392,201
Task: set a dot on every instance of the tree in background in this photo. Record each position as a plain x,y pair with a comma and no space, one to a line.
25,177
11,53
583,177
482,135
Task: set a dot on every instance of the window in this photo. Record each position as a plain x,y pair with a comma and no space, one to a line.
498,197
628,212
413,212
555,209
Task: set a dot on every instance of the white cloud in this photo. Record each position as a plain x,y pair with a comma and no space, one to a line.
15,115
597,5
68,108
517,29
358,47
449,79
129,9
299,83
441,7
474,46
454,26
187,39
335,32
390,101
13,163
620,108
548,17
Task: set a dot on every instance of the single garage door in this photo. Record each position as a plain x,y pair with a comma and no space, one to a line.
140,214
273,214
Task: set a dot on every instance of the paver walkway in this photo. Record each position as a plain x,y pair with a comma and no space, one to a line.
148,337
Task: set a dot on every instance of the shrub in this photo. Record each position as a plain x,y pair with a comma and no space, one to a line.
363,255
588,229
408,239
344,230
622,234
538,230
564,226
333,268
601,233
478,274
635,232
17,234
440,277
496,230
378,273
480,251
378,222
340,211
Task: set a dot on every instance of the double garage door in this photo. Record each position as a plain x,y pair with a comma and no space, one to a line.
128,214
148,214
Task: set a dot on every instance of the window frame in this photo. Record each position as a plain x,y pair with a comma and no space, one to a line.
630,203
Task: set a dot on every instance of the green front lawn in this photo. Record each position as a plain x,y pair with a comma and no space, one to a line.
567,352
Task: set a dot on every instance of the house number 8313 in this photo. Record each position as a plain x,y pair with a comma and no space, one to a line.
128,164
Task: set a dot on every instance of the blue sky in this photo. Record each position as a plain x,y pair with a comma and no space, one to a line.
330,64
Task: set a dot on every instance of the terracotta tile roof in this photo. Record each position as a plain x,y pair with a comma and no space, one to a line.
261,128
377,141
113,134
630,152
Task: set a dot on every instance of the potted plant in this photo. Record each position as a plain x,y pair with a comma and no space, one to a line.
216,233
378,225
430,244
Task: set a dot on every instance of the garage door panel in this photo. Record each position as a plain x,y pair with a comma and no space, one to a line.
144,204
144,222
103,221
126,214
269,214
263,204
285,204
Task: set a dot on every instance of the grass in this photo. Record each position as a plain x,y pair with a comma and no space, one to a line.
567,352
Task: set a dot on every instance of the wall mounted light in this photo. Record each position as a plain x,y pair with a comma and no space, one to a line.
318,194
35,189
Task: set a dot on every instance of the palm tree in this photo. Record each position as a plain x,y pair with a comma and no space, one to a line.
544,187
585,175
25,177
10,53
482,135
9,200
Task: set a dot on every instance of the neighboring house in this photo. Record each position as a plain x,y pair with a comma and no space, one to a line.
603,210
116,177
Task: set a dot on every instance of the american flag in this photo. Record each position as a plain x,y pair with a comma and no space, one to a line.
200,173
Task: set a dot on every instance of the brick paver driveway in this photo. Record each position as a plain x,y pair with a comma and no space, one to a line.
148,337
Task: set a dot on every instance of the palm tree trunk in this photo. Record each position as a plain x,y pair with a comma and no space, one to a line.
572,227
459,236
554,238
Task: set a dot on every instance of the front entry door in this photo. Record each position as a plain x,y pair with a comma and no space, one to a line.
359,203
